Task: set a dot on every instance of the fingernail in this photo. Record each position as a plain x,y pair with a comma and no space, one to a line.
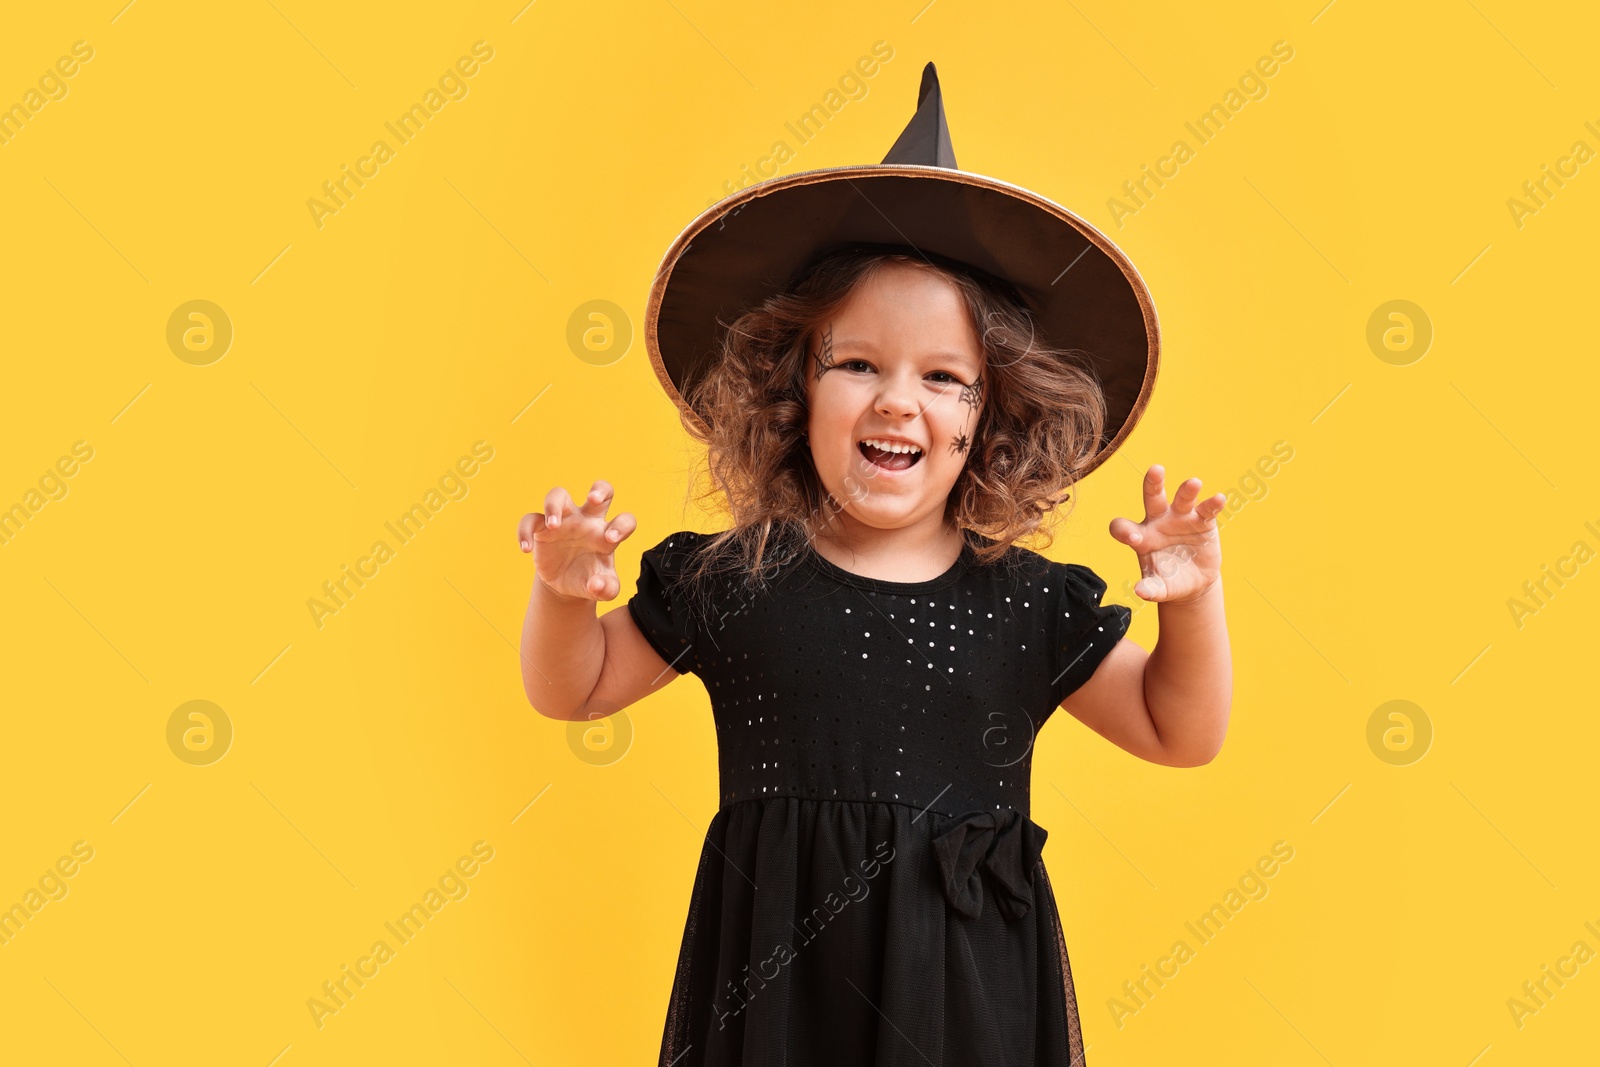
524,546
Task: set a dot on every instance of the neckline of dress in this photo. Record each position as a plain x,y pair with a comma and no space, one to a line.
818,562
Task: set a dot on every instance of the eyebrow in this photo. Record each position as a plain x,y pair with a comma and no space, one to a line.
950,357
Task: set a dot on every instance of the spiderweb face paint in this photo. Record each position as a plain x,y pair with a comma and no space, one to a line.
971,394
825,361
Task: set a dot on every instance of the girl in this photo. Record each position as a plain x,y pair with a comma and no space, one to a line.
880,653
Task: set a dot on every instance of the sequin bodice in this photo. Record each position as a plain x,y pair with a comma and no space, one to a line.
830,685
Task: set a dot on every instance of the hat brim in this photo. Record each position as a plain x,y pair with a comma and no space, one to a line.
1084,293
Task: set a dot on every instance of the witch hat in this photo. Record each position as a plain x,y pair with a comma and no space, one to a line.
1084,294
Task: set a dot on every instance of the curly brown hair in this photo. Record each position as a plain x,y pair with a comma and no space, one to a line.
1040,427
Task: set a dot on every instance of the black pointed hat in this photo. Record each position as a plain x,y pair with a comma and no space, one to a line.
1083,292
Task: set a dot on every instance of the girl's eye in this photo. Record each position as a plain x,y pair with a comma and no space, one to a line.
944,377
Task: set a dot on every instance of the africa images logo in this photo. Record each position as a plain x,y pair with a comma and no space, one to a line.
452,85
783,954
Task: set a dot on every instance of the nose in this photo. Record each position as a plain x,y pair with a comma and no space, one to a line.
897,398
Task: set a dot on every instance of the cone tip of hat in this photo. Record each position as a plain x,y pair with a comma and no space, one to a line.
926,139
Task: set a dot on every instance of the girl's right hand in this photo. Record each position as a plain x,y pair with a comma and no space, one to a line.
573,547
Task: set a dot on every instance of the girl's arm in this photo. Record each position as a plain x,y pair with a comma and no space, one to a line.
1169,706
563,652
576,665
1188,681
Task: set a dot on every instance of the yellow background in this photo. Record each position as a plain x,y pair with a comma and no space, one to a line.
428,314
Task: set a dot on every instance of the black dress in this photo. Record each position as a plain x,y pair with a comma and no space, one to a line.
871,891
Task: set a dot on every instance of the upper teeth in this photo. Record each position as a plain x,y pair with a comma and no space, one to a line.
890,446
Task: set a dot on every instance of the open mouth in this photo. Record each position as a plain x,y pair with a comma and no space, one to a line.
890,455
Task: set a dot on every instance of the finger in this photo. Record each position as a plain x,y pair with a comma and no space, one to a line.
621,526
1128,532
602,585
556,504
598,502
1212,506
1183,502
1151,587
525,529
1155,492
540,524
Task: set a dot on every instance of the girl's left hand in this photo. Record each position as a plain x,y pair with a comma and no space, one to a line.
1180,554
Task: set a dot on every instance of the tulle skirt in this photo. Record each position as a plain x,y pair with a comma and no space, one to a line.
854,933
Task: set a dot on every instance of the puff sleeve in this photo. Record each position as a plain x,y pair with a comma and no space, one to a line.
660,607
1086,630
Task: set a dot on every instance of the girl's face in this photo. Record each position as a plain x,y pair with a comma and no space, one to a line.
900,361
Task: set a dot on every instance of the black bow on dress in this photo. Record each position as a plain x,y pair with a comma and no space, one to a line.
1007,843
